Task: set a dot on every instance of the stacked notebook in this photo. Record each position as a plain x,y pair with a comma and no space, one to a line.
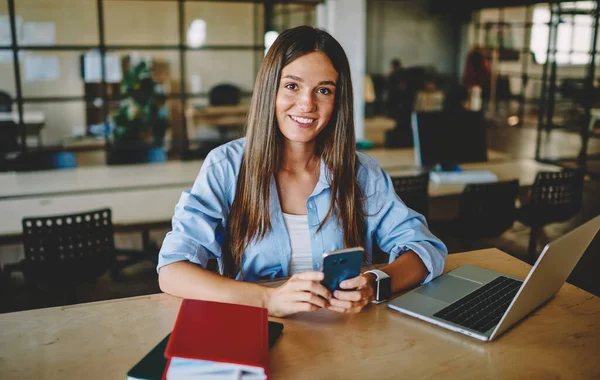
212,340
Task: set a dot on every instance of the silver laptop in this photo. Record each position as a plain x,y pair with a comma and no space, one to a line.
482,303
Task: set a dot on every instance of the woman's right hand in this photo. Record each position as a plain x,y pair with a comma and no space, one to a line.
302,292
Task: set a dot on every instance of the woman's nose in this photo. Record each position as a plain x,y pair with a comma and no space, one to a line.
306,102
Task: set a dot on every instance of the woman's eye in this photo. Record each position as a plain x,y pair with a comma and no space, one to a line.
291,86
324,91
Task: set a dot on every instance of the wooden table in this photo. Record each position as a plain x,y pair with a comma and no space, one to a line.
222,118
103,340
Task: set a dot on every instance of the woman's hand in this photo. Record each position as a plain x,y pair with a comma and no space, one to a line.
302,292
353,301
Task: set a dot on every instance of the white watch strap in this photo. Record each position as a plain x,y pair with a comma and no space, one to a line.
379,275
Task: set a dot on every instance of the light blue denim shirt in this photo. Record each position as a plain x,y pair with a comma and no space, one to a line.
202,211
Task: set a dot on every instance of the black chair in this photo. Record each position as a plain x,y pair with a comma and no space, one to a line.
224,95
64,251
9,131
486,210
413,190
555,197
5,102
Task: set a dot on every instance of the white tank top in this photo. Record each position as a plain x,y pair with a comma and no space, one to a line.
297,226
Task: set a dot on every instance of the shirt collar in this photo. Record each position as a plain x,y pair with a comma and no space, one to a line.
324,179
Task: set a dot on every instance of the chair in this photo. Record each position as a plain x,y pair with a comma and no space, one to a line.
5,102
485,210
555,197
224,95
9,131
413,190
64,251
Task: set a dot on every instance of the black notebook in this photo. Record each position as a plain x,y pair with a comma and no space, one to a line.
152,366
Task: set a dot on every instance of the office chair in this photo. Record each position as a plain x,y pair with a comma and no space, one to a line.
413,191
64,251
5,102
9,132
224,95
486,210
555,197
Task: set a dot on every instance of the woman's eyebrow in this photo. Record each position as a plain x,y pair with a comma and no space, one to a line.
325,82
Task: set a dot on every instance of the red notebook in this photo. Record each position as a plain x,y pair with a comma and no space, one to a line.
223,339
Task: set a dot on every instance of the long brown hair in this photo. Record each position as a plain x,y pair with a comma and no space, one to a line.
250,218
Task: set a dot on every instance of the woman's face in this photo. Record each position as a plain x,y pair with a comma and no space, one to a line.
305,97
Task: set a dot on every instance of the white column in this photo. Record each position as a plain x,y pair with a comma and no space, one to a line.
346,21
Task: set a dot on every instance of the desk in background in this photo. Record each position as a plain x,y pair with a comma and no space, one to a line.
89,179
103,340
399,158
143,176
33,120
443,198
148,207
223,118
131,209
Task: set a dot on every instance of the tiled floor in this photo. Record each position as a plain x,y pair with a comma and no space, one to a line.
520,142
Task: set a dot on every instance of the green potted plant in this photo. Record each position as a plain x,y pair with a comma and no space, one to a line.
141,120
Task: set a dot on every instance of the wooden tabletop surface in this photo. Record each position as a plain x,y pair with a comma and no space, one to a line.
103,340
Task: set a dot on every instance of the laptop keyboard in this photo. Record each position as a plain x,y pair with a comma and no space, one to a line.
482,309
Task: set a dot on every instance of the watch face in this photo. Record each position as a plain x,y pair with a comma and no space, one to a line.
385,288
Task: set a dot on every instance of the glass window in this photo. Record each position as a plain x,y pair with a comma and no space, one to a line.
165,66
141,22
224,24
489,15
286,16
62,120
207,68
7,73
51,74
574,36
57,22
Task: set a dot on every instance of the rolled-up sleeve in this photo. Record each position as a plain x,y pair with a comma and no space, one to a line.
399,229
198,224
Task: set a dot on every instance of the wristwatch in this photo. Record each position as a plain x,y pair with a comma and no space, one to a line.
383,288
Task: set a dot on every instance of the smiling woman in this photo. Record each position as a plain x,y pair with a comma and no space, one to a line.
304,106
271,204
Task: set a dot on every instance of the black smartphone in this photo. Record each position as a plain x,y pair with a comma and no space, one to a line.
275,329
341,265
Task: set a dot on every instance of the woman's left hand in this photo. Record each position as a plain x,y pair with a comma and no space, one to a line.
352,301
